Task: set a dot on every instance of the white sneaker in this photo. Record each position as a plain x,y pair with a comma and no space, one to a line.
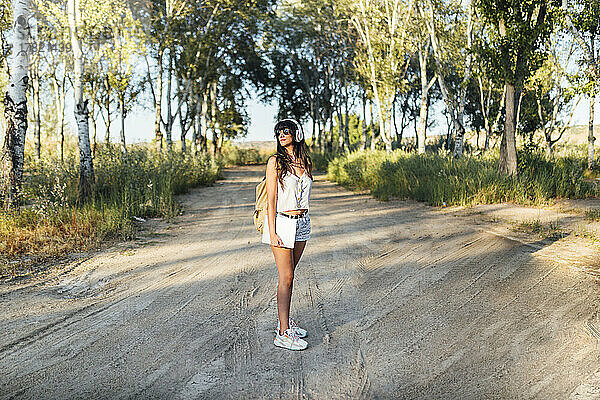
290,340
294,326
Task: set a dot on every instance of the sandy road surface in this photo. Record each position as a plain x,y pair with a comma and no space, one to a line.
400,301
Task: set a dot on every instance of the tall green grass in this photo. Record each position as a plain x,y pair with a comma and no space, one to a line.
236,155
142,183
442,180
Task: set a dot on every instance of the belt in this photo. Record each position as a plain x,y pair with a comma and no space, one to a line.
293,216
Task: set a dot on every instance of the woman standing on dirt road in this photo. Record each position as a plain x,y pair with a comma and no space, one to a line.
288,182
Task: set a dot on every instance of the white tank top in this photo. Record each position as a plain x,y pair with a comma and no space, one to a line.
295,192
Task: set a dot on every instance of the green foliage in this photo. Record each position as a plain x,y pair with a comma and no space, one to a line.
143,182
442,180
512,47
593,214
585,15
321,159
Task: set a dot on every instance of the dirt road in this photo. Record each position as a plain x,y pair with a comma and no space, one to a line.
400,301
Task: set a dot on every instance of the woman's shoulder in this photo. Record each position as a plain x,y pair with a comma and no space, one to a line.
272,164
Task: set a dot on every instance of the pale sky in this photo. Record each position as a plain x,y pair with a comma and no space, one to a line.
139,125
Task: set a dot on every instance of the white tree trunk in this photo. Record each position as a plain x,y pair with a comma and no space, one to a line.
203,124
462,97
15,106
198,121
35,97
158,136
456,111
423,112
213,117
122,130
170,118
507,163
86,169
591,138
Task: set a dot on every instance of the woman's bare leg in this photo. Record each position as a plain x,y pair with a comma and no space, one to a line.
298,249
284,259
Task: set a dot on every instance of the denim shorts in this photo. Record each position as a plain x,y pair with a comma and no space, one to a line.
303,228
290,230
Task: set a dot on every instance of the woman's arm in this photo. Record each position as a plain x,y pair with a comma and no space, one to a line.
271,183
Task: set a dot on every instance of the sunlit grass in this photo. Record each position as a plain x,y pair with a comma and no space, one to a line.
593,214
236,155
442,180
142,183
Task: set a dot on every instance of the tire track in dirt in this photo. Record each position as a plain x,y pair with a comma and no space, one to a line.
67,320
400,301
190,271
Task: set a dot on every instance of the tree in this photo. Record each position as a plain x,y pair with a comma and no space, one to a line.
551,98
513,48
307,49
452,42
583,21
86,168
125,45
15,103
384,31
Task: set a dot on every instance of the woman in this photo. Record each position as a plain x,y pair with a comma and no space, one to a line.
287,224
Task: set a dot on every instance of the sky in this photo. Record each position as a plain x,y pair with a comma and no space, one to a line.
139,126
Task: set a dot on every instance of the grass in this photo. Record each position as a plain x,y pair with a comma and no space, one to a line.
536,227
142,184
442,180
593,214
236,155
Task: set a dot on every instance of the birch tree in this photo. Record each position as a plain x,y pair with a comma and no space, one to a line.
54,29
384,31
583,21
36,85
15,106
86,168
125,45
426,84
445,20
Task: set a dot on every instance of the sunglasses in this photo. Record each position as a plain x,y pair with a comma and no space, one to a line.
285,131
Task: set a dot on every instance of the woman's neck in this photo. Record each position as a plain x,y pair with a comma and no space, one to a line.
290,151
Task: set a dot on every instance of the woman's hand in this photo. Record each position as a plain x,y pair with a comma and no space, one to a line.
276,241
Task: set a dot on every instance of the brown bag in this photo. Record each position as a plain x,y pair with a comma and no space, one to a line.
260,207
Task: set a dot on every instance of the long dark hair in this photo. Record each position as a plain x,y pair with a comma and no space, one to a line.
284,162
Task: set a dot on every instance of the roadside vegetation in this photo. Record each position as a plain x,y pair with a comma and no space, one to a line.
237,155
437,102
441,179
128,187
